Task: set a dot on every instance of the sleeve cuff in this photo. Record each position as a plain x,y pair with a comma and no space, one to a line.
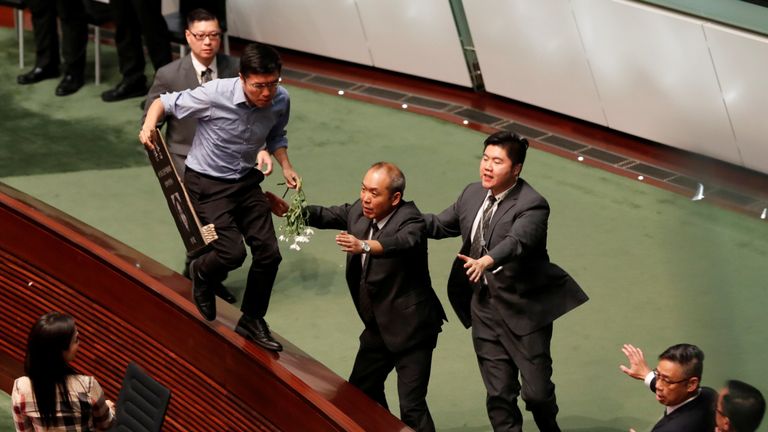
649,379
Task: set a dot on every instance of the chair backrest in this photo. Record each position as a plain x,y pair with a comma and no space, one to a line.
142,403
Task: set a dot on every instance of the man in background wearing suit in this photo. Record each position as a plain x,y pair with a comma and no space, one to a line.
677,384
503,285
388,277
136,20
74,39
204,63
740,408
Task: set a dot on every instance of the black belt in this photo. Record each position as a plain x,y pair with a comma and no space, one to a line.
226,180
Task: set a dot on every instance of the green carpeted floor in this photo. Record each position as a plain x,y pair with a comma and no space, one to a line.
659,268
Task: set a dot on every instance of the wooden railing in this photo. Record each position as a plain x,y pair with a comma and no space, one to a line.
131,308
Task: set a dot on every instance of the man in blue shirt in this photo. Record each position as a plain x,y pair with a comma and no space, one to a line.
241,124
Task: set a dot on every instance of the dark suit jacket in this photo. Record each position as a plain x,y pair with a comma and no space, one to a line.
697,415
531,291
177,76
405,306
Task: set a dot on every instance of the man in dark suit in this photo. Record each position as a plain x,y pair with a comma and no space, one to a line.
388,277
74,39
677,384
203,64
740,408
503,285
134,20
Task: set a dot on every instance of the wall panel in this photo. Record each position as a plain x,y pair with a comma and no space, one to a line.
741,61
655,76
531,51
329,28
415,37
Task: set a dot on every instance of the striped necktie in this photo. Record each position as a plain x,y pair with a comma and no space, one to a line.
206,75
478,239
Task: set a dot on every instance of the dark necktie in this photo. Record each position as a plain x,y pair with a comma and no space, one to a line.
366,307
478,239
206,75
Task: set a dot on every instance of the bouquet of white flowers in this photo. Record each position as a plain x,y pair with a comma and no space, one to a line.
295,230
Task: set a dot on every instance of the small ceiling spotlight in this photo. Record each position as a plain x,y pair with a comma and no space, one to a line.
404,106
580,158
465,122
641,178
341,92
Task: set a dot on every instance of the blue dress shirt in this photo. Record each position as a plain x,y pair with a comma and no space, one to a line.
230,132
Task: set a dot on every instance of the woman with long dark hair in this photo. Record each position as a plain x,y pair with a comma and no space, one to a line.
53,396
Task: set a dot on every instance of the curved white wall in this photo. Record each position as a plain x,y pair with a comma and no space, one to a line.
414,37
417,37
741,61
531,51
329,28
655,76
636,68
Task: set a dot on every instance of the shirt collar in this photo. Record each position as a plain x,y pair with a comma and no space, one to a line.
502,195
672,408
238,94
384,220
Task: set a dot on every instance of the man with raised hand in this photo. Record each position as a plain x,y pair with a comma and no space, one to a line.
676,381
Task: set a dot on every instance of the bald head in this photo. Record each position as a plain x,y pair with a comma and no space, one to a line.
395,175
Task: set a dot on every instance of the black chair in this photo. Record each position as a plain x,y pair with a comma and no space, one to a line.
142,403
177,21
18,22
98,14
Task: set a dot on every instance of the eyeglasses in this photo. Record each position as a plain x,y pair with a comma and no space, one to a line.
665,379
201,36
267,85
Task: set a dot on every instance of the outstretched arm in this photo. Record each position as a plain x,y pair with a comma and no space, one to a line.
155,114
447,223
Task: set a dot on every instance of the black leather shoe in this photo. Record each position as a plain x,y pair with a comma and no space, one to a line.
257,330
223,293
125,90
203,294
68,85
37,74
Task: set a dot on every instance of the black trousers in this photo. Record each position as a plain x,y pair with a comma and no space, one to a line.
414,365
74,34
238,210
134,19
502,355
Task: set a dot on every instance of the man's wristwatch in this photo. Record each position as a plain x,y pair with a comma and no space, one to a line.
366,247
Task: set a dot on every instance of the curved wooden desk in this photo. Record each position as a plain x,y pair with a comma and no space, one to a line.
129,307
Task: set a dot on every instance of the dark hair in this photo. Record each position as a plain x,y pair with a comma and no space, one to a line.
200,15
45,365
396,177
690,357
744,406
258,58
515,145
